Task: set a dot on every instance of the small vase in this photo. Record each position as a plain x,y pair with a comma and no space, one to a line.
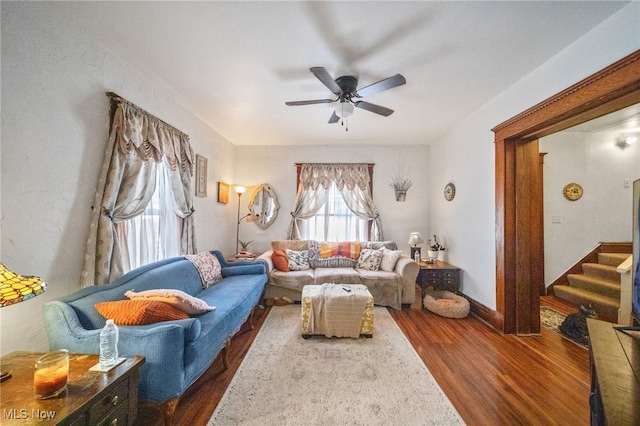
433,255
401,195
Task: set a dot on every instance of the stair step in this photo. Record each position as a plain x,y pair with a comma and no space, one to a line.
605,307
595,285
604,272
612,259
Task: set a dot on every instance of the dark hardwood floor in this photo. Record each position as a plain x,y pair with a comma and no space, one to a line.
491,379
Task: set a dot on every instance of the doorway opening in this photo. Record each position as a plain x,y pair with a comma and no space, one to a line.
517,170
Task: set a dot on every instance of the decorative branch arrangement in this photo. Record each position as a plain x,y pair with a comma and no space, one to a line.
401,185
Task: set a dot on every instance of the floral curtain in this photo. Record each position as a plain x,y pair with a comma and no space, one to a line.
137,142
353,182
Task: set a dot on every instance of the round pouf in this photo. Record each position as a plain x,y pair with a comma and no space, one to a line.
446,304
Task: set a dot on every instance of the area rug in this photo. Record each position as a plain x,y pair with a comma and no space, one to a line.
552,319
287,380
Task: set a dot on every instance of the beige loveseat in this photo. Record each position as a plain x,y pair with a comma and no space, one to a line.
389,288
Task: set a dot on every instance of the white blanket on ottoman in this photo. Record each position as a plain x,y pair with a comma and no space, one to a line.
338,312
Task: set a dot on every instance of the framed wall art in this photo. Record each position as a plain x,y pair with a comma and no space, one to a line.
223,192
201,176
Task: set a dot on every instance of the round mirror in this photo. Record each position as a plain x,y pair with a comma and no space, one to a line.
264,206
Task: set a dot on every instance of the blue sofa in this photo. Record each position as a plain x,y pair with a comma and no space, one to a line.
177,353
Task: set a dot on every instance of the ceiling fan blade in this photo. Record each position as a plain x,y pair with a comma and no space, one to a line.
334,118
316,101
374,108
387,83
326,79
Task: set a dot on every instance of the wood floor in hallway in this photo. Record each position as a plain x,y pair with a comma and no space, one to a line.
491,379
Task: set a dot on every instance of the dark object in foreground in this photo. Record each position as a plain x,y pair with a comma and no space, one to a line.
574,325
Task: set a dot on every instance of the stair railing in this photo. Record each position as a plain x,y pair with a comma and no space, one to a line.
624,313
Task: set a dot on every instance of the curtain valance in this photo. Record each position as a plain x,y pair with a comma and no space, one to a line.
313,175
151,138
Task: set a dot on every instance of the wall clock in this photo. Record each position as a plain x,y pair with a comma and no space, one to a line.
449,191
572,191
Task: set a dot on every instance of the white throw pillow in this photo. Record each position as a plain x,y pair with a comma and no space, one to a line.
179,299
389,259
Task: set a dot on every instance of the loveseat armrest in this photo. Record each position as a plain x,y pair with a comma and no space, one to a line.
408,269
266,257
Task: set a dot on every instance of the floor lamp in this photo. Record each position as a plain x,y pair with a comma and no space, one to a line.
239,190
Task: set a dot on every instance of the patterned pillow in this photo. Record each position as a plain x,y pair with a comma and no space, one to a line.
389,259
334,262
314,253
176,298
208,267
280,260
370,259
139,312
298,260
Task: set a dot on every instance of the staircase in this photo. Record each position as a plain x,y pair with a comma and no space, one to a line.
598,284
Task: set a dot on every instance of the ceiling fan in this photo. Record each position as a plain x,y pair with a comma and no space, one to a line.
347,92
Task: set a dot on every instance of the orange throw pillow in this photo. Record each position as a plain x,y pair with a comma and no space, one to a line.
139,312
280,261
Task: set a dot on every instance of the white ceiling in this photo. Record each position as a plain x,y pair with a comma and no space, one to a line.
624,121
234,64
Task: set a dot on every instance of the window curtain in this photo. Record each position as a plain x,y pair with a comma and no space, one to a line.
137,142
154,234
353,183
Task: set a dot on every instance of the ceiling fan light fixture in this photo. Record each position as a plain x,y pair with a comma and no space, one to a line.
345,109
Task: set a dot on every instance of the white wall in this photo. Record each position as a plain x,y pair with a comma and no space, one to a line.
54,129
275,165
466,155
604,213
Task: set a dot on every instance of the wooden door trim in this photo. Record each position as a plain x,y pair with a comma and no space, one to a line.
613,88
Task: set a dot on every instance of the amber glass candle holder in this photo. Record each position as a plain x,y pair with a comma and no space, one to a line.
51,374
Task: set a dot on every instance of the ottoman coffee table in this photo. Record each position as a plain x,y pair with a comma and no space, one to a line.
340,310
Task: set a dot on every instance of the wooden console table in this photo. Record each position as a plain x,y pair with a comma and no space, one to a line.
91,398
439,275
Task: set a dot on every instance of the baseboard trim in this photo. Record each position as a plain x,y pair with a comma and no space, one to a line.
489,317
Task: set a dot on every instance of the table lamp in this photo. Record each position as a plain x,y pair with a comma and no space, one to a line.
414,240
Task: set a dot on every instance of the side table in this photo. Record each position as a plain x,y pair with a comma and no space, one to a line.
439,275
237,258
91,397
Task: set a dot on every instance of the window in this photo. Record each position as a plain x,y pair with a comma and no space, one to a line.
334,221
154,234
